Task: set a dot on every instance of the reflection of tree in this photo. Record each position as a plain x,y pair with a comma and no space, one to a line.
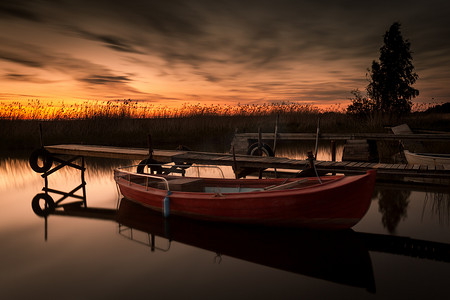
393,206
440,206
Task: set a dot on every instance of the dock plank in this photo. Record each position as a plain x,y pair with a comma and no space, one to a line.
326,163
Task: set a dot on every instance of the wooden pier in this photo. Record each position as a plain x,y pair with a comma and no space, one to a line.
243,142
253,162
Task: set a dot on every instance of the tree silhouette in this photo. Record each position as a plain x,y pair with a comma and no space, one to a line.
390,80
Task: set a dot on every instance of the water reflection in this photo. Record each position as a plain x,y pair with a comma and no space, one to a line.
338,256
394,202
393,205
438,204
299,150
69,258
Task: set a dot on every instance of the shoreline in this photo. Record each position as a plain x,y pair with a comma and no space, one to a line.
200,133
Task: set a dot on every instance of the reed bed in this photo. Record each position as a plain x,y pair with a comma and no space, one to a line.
199,127
35,109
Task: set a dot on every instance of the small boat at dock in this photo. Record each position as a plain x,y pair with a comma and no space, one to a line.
332,202
430,159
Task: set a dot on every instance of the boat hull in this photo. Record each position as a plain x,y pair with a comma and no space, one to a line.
335,204
427,159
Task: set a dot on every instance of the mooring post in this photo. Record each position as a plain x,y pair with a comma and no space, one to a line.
83,182
150,146
46,228
152,242
260,153
333,150
41,142
275,134
259,142
236,175
317,138
275,141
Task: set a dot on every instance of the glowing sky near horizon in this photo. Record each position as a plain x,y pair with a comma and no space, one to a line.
173,52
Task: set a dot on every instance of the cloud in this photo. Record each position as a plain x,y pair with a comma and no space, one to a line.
113,42
20,59
18,10
303,48
102,79
92,76
25,78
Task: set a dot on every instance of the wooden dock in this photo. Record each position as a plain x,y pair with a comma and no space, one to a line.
253,162
243,141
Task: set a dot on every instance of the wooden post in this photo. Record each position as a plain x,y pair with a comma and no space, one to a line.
150,146
152,242
236,175
259,142
275,141
46,229
83,182
310,159
333,150
41,143
260,153
317,139
275,135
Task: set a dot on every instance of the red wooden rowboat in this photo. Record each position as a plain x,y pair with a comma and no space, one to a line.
338,202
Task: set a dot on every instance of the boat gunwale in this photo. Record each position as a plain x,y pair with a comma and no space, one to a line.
428,155
318,187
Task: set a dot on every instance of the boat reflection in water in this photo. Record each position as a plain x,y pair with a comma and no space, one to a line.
336,256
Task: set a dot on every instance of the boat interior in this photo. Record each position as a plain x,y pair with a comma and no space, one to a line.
212,185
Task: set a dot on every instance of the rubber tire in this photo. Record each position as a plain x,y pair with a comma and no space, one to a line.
253,150
46,157
146,162
49,205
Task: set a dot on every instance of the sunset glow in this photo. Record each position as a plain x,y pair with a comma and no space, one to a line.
169,54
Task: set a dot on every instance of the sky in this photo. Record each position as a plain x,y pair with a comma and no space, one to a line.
213,52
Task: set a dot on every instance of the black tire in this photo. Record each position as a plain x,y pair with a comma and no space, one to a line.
46,158
265,149
149,162
49,205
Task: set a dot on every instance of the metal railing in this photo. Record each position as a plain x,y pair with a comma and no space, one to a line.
120,172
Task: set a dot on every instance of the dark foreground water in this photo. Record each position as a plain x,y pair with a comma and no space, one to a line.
400,250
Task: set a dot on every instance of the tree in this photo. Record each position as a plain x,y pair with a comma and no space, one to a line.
391,79
360,105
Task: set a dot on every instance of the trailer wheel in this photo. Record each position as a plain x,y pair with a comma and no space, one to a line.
45,209
41,160
265,150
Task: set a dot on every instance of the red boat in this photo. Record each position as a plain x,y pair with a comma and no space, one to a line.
333,202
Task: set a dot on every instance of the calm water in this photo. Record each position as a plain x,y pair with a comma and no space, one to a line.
76,257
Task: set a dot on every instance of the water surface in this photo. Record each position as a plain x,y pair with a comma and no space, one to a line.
76,257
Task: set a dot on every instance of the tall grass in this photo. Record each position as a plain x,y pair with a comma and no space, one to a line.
35,110
200,127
